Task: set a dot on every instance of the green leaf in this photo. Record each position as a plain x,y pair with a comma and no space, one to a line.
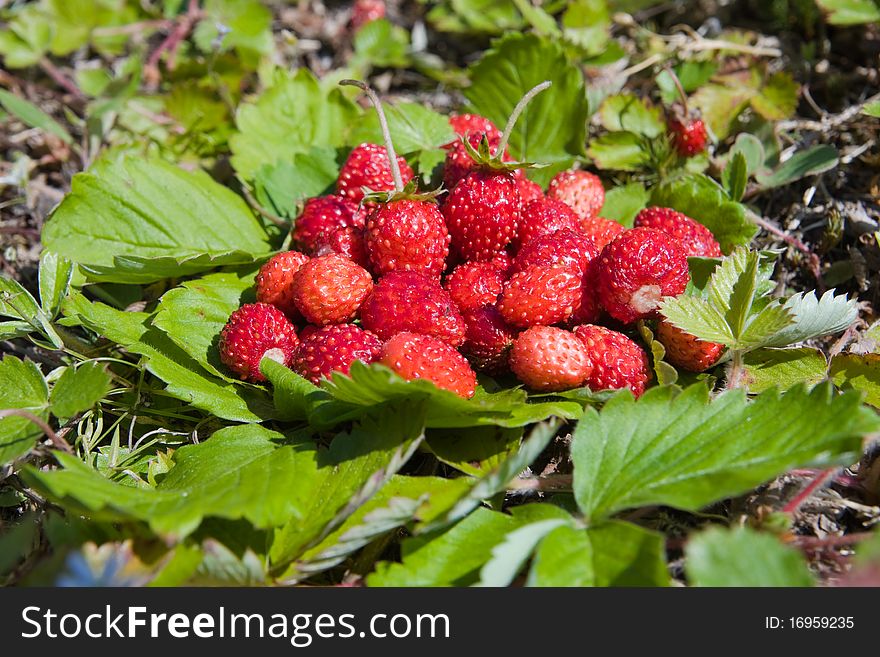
743,557
872,109
785,368
627,112
666,374
702,199
814,317
552,129
721,104
79,389
292,116
475,451
241,472
194,314
735,176
691,74
686,451
55,275
243,25
585,23
18,303
858,372
294,397
777,98
751,148
623,203
22,386
850,12
381,43
697,317
810,162
283,186
510,555
621,151
185,378
33,116
134,209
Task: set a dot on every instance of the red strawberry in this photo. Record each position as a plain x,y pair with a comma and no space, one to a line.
615,360
329,289
348,242
467,124
334,349
503,261
274,281
549,359
407,235
322,215
368,166
488,339
686,351
582,191
541,295
689,135
409,301
482,214
528,191
253,331
416,356
693,236
564,247
588,310
475,284
638,269
366,11
543,217
459,162
601,230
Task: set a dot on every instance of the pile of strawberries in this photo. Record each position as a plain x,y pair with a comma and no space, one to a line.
493,275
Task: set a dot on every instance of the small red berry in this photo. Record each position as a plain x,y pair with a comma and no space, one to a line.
588,310
366,11
416,356
412,302
475,284
467,124
368,166
329,289
333,349
322,215
601,230
275,279
689,136
685,351
564,247
488,339
582,191
638,269
348,242
253,331
528,191
545,216
615,360
549,359
407,235
541,295
694,237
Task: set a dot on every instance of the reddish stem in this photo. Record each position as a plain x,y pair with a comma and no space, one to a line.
818,482
182,27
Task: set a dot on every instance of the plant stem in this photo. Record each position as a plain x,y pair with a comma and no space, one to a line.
383,123
737,367
679,87
520,106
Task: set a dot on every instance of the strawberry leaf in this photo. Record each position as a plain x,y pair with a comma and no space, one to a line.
858,372
685,451
22,386
627,112
283,186
785,368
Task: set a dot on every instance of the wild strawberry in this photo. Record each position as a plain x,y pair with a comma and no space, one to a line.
543,217
615,360
685,351
409,301
587,310
694,237
475,284
503,261
482,214
322,215
549,359
368,166
582,191
564,247
416,356
366,11
488,339
253,331
348,242
601,230
275,279
329,289
469,124
638,269
540,295
333,349
688,135
407,235
528,191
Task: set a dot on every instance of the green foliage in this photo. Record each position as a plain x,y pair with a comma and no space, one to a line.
850,12
33,116
623,203
22,387
79,389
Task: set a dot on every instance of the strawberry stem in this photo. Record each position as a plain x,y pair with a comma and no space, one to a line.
679,87
383,124
520,106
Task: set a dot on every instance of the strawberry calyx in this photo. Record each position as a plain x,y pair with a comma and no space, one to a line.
410,192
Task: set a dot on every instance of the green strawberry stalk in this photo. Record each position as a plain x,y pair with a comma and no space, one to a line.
514,115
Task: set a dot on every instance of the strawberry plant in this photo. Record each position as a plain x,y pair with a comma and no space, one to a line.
434,293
